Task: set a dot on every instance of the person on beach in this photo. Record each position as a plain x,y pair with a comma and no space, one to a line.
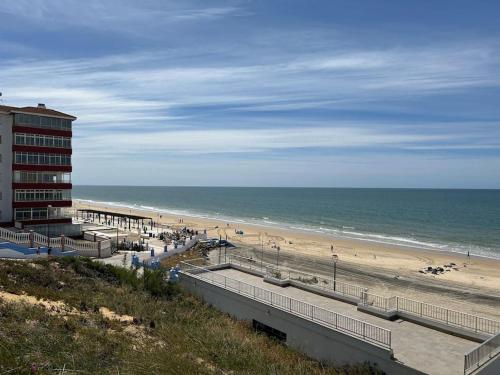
38,250
49,251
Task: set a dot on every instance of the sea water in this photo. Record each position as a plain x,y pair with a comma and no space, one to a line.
439,219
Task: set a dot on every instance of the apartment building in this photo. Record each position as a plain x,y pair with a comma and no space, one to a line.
35,169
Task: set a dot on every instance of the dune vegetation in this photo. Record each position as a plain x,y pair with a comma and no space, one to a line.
78,316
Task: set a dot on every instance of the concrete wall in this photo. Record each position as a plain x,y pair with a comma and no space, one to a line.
6,168
491,368
313,339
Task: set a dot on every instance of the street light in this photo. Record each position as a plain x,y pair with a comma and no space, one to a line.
48,217
220,246
335,258
262,247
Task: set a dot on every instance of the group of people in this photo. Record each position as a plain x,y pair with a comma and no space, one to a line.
49,251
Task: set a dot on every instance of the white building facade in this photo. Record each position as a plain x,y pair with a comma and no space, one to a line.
35,169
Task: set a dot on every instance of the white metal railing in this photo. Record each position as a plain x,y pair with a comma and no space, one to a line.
380,302
450,317
84,248
298,276
400,304
357,328
326,284
250,263
18,238
441,314
478,356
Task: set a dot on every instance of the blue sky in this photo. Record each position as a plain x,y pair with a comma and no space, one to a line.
265,93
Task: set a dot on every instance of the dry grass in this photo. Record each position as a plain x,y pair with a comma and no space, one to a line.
109,321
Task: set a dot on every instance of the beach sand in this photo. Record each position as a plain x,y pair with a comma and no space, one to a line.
385,269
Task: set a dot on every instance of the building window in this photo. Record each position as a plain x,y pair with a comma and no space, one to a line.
42,121
27,195
42,177
38,213
41,159
23,139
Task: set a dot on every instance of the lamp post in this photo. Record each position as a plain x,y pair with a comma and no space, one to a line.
335,258
47,224
262,249
220,246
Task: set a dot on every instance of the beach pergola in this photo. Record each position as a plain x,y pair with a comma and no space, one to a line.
124,218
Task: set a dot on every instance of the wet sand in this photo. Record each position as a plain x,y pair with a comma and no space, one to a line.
473,287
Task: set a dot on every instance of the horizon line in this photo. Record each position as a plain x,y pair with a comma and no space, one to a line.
287,187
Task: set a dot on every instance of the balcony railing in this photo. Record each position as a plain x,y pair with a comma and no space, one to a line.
29,177
41,196
28,214
353,327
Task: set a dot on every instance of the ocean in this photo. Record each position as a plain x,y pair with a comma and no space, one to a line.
436,219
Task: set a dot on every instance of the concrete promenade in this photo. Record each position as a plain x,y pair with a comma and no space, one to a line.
422,348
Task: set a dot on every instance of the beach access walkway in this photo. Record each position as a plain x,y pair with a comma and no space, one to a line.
425,349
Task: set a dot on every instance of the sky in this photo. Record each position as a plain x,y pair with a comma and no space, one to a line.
320,93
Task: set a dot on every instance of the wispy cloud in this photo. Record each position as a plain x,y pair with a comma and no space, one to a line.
111,14
121,85
255,88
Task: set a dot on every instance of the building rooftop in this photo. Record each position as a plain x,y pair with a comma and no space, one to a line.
40,110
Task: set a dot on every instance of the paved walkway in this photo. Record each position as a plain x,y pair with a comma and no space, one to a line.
425,349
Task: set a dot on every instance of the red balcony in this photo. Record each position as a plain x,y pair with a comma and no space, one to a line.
43,150
47,185
65,220
42,168
28,204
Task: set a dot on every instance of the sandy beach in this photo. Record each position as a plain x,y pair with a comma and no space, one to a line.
472,286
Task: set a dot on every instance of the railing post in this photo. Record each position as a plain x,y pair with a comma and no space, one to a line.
421,304
364,329
476,323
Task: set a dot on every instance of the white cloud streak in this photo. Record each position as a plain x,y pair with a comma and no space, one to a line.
119,15
201,100
151,84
